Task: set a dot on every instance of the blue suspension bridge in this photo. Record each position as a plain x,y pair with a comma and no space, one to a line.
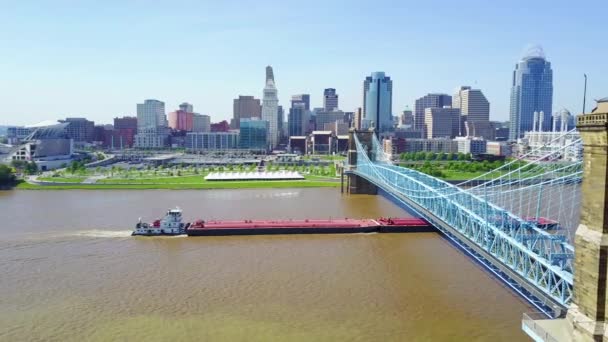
516,220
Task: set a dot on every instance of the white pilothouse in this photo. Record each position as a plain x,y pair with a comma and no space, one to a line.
171,224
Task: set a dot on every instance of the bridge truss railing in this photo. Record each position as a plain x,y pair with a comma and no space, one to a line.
542,258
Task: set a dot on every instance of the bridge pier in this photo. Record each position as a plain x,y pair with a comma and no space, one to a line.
354,183
360,186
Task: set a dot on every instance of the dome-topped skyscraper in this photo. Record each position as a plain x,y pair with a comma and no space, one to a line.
531,91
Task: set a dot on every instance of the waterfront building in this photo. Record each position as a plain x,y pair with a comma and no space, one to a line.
201,123
322,142
378,102
330,100
270,108
80,129
498,148
301,98
429,101
298,144
531,91
471,145
253,134
245,107
442,122
431,145
212,141
48,145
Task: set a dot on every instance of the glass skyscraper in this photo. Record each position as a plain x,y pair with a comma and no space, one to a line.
531,91
378,102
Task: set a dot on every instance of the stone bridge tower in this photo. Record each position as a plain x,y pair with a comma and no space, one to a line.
587,314
356,184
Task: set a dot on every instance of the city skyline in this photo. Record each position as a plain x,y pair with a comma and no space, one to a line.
70,56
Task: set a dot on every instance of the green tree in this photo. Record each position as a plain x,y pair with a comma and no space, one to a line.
461,156
450,156
430,156
7,175
441,156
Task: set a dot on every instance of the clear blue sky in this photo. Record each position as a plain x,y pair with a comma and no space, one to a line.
99,58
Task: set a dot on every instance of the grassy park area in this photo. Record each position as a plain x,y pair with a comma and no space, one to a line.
179,177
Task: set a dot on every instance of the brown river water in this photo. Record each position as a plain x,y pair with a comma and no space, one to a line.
70,271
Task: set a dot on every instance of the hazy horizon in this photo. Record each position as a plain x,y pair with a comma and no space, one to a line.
97,61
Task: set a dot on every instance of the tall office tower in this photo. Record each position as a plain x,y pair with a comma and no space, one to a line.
280,121
270,108
429,101
186,107
378,102
245,107
151,114
151,125
330,99
474,111
301,98
531,91
297,121
407,118
442,122
357,117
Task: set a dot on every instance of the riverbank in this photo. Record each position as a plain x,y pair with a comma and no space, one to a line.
183,186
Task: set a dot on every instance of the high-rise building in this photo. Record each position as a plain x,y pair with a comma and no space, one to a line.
151,114
429,101
297,120
270,108
80,129
181,120
201,123
474,112
151,125
407,118
357,117
531,91
324,117
442,122
330,99
301,98
253,134
186,107
378,102
280,121
245,107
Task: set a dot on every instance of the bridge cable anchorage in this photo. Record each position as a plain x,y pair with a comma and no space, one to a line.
522,214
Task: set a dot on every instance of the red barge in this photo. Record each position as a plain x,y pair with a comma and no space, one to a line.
330,226
172,224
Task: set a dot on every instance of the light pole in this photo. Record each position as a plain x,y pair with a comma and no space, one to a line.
585,93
